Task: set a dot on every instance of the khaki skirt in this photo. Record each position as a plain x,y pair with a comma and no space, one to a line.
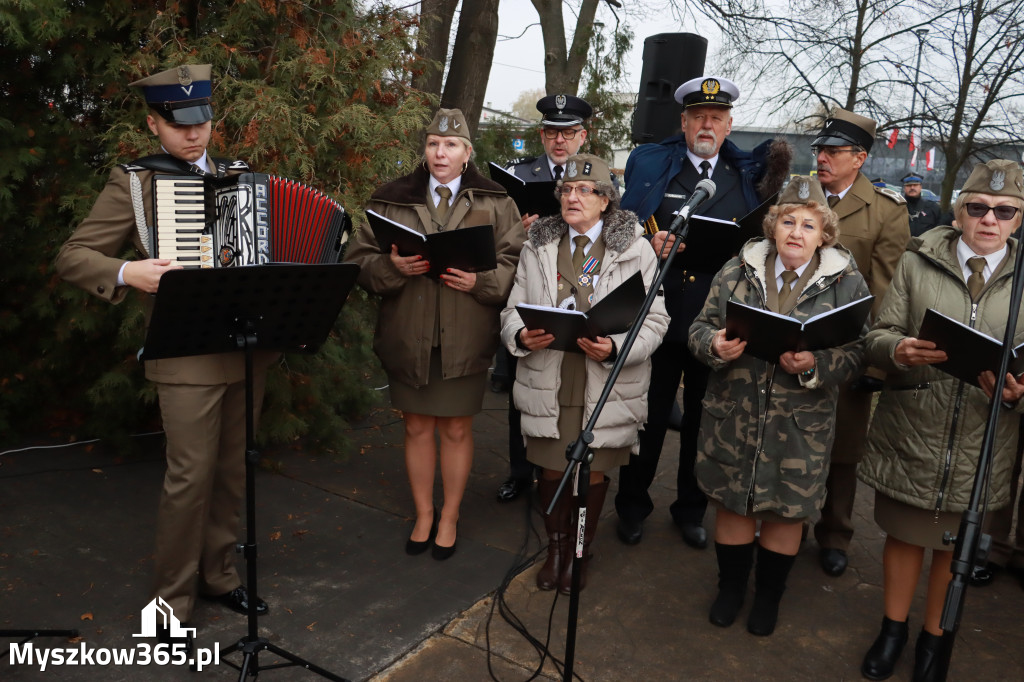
549,453
913,525
461,397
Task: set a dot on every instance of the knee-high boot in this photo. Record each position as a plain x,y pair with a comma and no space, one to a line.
595,502
769,584
558,531
734,562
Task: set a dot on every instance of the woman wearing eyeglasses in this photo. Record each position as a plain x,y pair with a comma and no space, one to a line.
573,260
927,429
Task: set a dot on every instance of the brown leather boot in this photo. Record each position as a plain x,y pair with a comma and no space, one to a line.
595,502
557,526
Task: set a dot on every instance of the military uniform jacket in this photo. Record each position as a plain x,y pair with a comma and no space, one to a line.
764,436
91,259
927,429
924,215
537,169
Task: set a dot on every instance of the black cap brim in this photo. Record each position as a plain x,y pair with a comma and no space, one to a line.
833,141
186,116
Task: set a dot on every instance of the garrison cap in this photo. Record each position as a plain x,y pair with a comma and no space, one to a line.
586,167
802,189
844,127
449,123
180,95
563,111
712,90
997,177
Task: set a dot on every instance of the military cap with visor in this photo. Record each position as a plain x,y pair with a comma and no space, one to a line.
180,95
843,128
707,90
563,111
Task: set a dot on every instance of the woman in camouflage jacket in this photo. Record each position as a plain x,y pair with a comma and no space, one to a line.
767,427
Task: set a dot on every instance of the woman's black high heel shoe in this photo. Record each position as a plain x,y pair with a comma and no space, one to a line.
441,553
414,547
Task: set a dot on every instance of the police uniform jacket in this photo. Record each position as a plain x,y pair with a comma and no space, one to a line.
764,436
91,259
927,429
411,307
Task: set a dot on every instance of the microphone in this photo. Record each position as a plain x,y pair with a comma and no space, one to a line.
704,190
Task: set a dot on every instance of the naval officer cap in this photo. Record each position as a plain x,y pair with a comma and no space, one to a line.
844,128
563,111
712,90
181,95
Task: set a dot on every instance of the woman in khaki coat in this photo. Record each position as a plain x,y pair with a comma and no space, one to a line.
435,338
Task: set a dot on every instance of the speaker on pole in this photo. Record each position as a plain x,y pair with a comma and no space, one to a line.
670,59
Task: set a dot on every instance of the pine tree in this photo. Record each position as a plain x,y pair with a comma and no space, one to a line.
315,91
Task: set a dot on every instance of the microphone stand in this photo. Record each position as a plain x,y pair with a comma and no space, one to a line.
972,545
579,453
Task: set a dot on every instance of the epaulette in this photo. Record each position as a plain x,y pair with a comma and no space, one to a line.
892,194
522,160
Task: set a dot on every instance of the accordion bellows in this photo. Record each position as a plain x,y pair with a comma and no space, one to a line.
247,219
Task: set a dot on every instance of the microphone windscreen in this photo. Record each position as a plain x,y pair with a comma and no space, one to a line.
708,185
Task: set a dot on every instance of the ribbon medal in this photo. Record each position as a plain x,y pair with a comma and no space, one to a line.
588,268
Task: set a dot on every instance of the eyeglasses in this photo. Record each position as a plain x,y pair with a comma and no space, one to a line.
833,151
978,210
582,190
567,133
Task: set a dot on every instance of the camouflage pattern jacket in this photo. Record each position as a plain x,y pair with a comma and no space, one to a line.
927,430
765,435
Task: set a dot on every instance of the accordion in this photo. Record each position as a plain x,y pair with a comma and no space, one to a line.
247,219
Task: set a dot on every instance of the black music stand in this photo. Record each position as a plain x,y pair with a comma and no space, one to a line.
277,307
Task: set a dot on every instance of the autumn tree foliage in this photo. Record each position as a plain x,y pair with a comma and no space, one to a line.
315,91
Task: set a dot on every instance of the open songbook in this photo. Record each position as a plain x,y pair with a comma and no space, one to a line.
769,335
969,351
613,314
711,242
530,197
470,248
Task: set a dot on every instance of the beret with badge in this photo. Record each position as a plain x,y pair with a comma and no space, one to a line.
180,95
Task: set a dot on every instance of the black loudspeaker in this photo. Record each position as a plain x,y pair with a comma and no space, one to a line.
670,59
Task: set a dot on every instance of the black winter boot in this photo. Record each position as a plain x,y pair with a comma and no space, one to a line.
880,660
769,584
734,562
926,657
559,533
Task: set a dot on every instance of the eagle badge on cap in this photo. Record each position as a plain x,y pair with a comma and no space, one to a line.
710,87
803,191
184,77
571,169
998,180
560,102
442,125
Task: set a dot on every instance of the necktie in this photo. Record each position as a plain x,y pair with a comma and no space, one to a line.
705,169
578,255
788,277
833,199
976,282
445,195
558,173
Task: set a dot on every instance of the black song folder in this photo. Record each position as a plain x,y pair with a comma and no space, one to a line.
470,248
711,242
769,335
530,197
969,351
613,314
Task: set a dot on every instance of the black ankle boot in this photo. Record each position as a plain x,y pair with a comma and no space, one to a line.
926,657
769,584
734,562
880,660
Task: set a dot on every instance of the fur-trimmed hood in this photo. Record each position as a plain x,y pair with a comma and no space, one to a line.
619,230
411,189
832,261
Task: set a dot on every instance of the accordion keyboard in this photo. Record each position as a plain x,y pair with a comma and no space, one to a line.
180,224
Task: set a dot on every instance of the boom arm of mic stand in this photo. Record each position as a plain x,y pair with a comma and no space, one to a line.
969,535
581,446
